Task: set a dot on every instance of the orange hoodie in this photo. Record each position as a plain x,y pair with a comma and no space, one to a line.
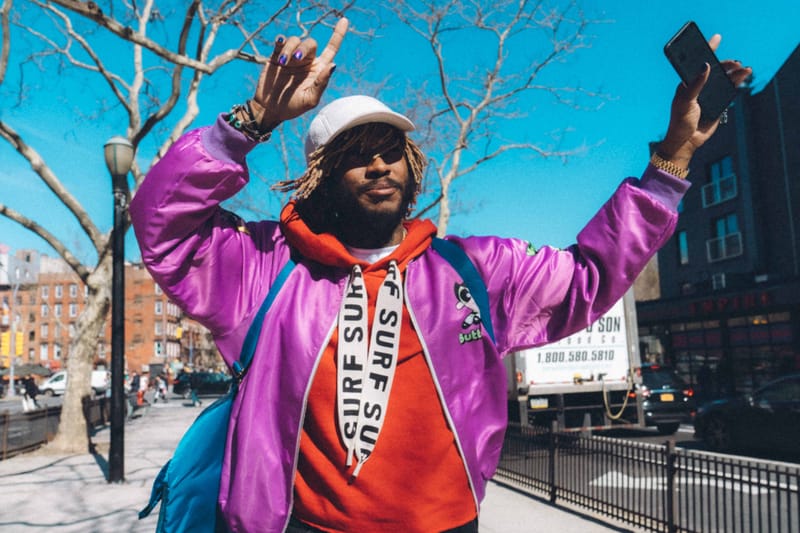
415,479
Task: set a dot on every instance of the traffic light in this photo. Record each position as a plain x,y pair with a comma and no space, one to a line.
18,343
5,343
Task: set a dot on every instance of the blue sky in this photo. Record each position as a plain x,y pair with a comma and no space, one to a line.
544,201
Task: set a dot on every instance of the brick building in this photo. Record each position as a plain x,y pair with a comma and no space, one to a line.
45,308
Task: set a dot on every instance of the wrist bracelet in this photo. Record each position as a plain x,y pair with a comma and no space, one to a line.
250,127
668,166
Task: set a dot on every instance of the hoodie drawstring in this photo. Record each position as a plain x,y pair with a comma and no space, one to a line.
365,371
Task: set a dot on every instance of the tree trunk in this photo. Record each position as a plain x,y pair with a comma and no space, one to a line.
73,435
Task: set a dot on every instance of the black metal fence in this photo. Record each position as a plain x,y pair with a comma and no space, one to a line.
654,487
25,431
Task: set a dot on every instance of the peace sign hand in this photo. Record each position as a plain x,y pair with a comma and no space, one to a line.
294,78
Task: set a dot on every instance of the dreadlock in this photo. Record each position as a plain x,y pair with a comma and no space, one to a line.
323,161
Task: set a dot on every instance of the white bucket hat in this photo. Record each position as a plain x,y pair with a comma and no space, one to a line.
345,113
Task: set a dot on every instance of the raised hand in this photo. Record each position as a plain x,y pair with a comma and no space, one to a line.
294,78
686,133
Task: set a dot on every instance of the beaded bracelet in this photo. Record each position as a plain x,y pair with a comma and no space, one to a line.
250,127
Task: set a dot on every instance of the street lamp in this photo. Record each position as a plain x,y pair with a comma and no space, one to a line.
119,157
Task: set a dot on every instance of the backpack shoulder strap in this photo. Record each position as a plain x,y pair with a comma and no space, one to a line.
250,340
461,262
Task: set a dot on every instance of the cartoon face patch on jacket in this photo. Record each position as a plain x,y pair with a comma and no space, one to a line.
464,299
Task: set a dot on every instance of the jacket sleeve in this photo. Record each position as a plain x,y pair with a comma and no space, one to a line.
211,264
540,296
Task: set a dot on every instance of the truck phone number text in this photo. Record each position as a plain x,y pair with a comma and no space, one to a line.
571,356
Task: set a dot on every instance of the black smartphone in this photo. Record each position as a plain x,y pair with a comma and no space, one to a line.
688,51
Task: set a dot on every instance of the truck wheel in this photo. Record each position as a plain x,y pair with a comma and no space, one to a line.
667,429
49,393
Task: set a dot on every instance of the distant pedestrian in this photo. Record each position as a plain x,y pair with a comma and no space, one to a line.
156,385
193,385
162,386
135,381
705,378
30,392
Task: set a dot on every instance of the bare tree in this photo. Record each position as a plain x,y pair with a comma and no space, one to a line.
154,87
480,84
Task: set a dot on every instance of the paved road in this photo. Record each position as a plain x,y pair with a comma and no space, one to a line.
48,492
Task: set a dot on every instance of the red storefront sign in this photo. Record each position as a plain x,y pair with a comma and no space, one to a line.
738,302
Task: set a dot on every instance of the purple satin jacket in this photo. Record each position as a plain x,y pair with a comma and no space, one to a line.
219,269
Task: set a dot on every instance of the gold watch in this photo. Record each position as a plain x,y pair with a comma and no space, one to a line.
668,166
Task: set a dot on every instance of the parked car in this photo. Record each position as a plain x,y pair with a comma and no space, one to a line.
768,419
56,384
203,382
667,401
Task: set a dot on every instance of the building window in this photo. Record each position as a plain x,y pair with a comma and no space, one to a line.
45,291
73,310
73,290
159,328
45,310
159,308
57,310
158,290
43,351
59,291
56,351
722,186
44,331
727,239
683,248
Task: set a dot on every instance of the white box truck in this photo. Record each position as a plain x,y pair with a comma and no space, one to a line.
585,381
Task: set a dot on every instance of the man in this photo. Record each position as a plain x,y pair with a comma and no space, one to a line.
376,397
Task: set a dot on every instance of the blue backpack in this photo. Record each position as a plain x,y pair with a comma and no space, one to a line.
188,484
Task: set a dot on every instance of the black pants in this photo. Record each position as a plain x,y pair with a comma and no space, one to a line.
296,526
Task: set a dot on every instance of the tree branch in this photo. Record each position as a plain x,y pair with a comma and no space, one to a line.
5,44
92,11
49,238
49,178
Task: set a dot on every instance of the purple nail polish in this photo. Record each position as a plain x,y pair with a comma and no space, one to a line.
280,39
298,54
282,59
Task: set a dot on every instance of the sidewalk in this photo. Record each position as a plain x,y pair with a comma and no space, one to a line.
69,493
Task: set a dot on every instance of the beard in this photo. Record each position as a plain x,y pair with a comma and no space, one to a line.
370,225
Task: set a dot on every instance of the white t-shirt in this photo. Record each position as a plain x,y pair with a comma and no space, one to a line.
371,255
